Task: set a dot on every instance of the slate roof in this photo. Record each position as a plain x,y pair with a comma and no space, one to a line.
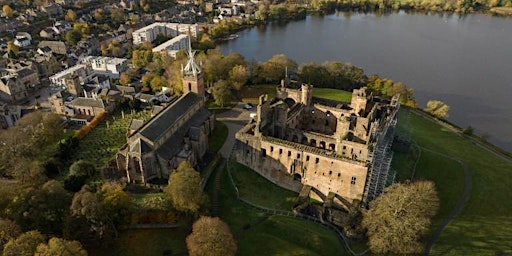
157,126
174,144
136,124
90,102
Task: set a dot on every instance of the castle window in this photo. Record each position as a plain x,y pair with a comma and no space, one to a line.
189,87
307,158
289,153
339,174
298,156
263,152
330,172
344,147
353,181
280,151
271,149
317,160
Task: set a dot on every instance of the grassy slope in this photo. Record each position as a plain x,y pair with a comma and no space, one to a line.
259,234
332,94
252,93
484,225
217,139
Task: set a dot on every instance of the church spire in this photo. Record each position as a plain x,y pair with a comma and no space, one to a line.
191,69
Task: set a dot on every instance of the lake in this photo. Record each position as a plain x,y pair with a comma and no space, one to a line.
465,61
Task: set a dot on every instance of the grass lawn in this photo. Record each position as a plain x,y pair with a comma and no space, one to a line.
332,94
252,93
484,225
256,189
217,139
259,234
103,142
138,242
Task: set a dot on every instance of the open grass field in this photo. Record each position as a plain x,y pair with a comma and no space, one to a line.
251,94
259,234
484,224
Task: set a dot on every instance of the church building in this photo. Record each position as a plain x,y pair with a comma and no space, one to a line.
177,133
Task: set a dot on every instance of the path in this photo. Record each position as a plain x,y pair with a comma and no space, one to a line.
458,207
216,189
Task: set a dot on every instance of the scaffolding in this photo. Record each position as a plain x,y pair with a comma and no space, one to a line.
379,158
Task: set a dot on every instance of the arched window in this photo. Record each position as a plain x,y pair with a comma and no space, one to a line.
189,87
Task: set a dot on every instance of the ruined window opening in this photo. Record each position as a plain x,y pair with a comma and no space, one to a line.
189,87
289,153
298,156
307,158
353,181
344,147
330,172
317,160
339,174
280,151
271,149
263,152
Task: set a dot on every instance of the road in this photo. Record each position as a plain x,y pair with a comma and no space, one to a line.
234,119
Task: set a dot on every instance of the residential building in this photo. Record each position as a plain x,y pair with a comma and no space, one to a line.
58,47
174,45
12,89
52,9
46,65
9,114
79,70
149,33
108,66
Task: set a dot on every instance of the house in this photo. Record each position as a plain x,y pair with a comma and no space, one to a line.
79,71
61,27
108,66
46,64
11,88
52,9
85,109
23,39
9,114
57,47
48,33
179,132
44,50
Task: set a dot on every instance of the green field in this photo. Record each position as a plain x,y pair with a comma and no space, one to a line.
252,93
217,139
484,224
259,234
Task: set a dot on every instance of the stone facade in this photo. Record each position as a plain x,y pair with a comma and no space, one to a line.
177,133
334,147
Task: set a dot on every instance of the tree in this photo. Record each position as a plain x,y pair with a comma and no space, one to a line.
7,11
8,230
437,108
82,168
116,203
238,77
210,236
99,14
399,217
117,15
73,37
86,205
157,83
221,92
24,245
12,49
70,15
274,69
60,247
125,79
184,189
40,208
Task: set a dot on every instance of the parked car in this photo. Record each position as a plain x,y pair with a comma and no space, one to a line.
248,106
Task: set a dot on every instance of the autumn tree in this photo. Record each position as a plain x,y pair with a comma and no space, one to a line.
238,77
86,206
40,208
125,79
82,168
24,245
116,203
117,15
275,68
8,230
157,82
70,15
221,92
99,14
7,11
210,236
12,49
184,189
437,108
400,217
60,247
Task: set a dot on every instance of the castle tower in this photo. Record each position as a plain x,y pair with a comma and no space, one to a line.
359,100
192,77
306,94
